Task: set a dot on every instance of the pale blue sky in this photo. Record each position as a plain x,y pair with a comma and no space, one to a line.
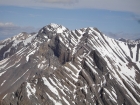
114,22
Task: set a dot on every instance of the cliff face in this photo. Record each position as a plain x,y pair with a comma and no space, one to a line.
57,66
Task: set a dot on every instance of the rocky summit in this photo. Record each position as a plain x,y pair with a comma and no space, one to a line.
57,66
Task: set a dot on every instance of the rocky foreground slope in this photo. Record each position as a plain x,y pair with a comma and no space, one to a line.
57,66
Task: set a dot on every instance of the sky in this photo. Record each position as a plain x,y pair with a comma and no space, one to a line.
114,18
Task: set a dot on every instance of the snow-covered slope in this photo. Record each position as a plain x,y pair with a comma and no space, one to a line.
57,66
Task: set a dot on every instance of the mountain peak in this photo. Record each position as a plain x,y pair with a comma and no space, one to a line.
54,25
55,28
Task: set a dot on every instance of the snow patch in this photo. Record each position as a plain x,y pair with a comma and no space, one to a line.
110,95
28,40
3,82
18,65
5,96
46,37
54,101
66,101
52,88
77,74
2,73
30,90
27,57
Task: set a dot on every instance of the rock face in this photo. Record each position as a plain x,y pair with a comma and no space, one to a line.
57,66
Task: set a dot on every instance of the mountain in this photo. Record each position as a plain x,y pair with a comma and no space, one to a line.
57,66
137,41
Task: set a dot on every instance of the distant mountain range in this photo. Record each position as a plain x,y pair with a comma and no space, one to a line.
57,66
130,41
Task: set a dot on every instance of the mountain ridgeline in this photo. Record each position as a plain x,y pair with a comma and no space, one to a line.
57,66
